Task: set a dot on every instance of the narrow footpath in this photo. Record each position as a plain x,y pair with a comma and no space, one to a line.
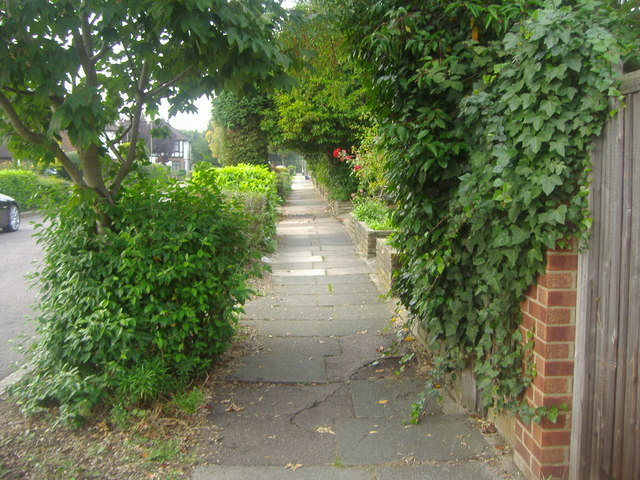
317,400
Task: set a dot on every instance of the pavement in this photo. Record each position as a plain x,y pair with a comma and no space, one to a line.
318,399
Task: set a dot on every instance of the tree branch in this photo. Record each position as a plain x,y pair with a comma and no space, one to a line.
123,134
169,83
135,130
111,144
23,131
82,44
101,53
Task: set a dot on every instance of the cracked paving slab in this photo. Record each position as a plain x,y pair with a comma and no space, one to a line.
437,438
270,424
388,398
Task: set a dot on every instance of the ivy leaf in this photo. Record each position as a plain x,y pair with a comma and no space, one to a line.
574,62
549,183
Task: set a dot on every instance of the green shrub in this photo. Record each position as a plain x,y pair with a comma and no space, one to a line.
253,206
254,179
22,185
292,170
374,213
155,171
140,310
333,175
51,190
31,190
283,184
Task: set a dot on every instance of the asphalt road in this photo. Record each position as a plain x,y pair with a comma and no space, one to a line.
19,255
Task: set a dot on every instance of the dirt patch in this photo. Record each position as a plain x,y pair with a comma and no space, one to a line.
160,442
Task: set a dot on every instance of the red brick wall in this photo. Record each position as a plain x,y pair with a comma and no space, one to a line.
548,313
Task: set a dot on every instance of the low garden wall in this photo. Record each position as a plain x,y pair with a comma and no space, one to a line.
386,263
363,236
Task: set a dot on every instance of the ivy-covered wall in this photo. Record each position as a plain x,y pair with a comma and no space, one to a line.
487,111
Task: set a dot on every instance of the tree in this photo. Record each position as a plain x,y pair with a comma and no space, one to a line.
77,66
236,135
326,107
199,148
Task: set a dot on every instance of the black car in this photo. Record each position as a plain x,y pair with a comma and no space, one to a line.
9,214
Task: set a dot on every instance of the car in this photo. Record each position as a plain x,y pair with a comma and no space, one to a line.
9,214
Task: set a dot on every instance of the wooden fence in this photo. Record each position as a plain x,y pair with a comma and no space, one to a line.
606,434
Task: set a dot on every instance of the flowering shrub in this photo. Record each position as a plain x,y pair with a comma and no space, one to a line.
367,163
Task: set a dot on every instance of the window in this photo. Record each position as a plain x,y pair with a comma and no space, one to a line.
178,148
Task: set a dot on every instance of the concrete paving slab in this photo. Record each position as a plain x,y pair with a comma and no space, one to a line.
357,351
328,262
220,472
318,328
295,280
286,301
301,346
362,311
438,438
471,470
260,312
280,368
348,270
299,273
300,258
320,393
323,288
269,400
388,398
327,412
351,298
345,279
270,441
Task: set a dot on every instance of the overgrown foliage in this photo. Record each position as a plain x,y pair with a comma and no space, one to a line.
253,191
142,309
236,136
487,111
333,175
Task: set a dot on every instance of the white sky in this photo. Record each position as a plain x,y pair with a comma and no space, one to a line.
189,121
199,121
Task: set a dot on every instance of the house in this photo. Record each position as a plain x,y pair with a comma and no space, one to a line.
6,159
166,145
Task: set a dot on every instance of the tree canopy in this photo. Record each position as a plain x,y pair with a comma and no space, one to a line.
77,66
325,108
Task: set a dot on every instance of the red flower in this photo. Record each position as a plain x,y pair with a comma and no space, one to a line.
348,157
357,167
336,153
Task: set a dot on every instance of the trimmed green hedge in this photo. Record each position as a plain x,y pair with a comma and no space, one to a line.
242,183
31,190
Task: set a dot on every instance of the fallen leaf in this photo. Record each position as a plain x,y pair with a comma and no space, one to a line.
383,402
408,338
361,332
374,431
234,408
488,428
380,370
293,466
325,430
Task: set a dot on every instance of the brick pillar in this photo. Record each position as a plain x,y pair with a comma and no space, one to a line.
548,312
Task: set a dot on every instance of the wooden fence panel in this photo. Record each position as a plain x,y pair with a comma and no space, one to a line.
606,435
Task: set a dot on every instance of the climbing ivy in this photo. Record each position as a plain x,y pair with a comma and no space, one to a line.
488,111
